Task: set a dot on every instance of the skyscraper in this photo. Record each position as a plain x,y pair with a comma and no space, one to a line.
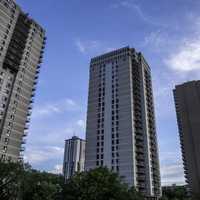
121,132
74,157
187,101
21,47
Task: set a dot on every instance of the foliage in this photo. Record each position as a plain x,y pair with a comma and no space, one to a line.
175,193
19,181
40,186
98,184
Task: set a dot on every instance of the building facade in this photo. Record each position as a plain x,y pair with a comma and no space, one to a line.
121,132
74,157
21,47
187,102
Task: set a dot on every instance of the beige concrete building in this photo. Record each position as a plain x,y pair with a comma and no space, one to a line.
187,101
74,157
21,47
121,131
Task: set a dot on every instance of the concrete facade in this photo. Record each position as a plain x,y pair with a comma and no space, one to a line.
121,132
187,101
21,47
74,157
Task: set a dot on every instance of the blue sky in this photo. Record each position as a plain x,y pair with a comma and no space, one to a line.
166,32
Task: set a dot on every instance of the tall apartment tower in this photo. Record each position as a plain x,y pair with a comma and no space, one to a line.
187,101
121,132
74,157
21,47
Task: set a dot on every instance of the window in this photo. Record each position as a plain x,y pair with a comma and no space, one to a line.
117,167
4,148
9,124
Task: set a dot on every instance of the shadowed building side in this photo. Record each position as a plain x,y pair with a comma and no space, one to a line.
187,102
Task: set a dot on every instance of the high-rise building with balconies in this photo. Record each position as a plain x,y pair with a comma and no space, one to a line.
74,157
121,130
22,42
187,101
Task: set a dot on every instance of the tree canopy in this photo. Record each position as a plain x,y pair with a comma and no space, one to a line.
98,184
19,181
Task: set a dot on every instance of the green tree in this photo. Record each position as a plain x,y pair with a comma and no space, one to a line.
40,186
9,179
98,184
175,193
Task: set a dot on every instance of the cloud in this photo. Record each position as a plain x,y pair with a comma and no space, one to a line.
156,40
172,174
187,57
92,47
172,171
55,108
86,46
57,169
81,123
131,4
41,154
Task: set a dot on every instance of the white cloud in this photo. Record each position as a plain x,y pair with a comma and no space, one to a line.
87,45
172,174
81,123
55,108
40,154
57,169
92,47
187,57
156,40
131,4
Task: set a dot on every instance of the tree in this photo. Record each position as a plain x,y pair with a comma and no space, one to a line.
9,179
20,182
37,185
98,184
175,193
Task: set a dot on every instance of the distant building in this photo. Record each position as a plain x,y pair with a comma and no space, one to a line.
74,157
22,43
187,101
121,130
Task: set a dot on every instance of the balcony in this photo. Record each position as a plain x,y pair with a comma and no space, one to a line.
139,150
31,101
140,157
141,171
139,137
23,141
139,144
141,178
22,149
140,164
